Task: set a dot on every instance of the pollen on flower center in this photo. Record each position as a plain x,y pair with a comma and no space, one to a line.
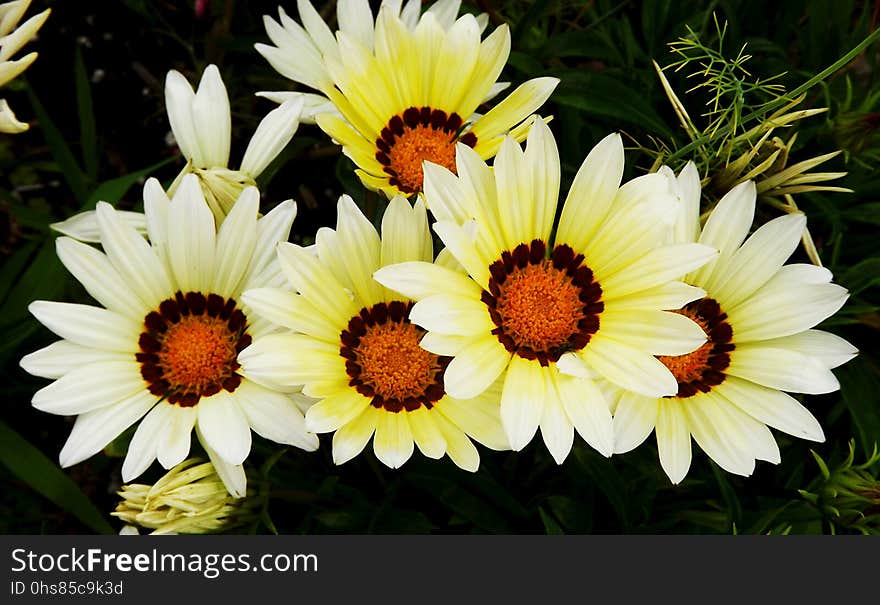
419,134
190,345
385,362
543,307
703,369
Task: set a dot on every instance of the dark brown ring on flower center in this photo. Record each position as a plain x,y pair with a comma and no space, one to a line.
189,347
543,307
416,135
385,363
700,370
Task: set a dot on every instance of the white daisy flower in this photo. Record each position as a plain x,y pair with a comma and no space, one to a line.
757,314
202,126
351,346
12,37
397,99
163,345
546,314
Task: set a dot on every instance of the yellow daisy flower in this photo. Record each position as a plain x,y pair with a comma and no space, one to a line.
757,315
351,346
405,88
548,315
162,346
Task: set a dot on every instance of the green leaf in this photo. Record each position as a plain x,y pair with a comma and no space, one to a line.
859,385
551,527
462,502
864,213
608,97
86,111
13,266
728,494
73,174
861,276
31,466
44,279
607,479
115,189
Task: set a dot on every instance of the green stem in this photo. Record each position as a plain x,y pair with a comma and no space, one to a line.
773,105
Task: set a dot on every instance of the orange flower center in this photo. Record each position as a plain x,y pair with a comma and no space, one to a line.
385,362
543,307
419,134
702,369
189,347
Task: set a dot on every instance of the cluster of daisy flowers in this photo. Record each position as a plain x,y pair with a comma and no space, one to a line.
616,315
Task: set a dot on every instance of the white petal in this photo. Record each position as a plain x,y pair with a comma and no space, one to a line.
211,119
405,233
522,401
93,430
669,296
418,280
310,279
350,440
479,417
191,237
356,19
773,408
687,221
591,193
88,326
587,408
100,279
573,364
360,245
333,412
426,434
90,387
272,228
393,443
782,369
556,429
727,226
756,261
175,440
634,419
475,368
830,349
441,344
232,475
144,443
459,448
235,244
84,226
62,356
291,359
542,159
275,416
225,427
461,246
673,440
179,97
290,310
780,308
452,314
629,368
655,268
657,332
133,257
271,137
717,435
